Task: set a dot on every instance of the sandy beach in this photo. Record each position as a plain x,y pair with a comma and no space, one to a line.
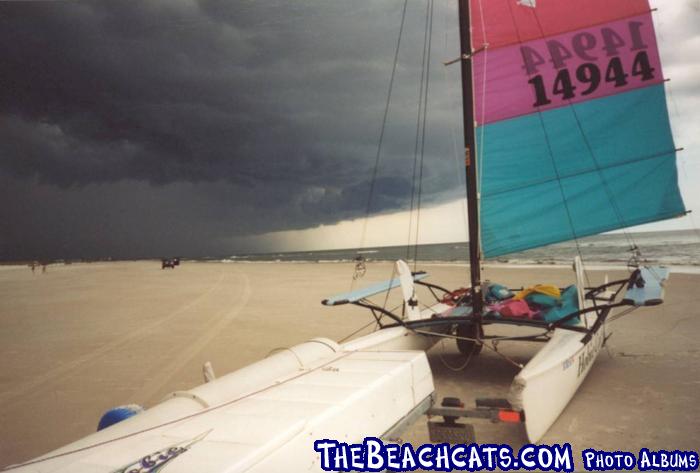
86,337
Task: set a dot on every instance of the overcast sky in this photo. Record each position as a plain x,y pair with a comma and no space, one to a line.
160,127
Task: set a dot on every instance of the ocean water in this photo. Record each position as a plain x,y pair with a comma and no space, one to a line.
678,248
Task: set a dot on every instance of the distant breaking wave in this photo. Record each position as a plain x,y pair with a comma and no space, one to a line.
679,248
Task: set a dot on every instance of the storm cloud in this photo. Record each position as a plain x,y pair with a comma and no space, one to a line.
227,118
155,127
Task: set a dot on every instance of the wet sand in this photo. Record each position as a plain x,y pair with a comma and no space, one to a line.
86,337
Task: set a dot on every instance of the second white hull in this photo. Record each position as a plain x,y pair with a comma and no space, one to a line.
545,386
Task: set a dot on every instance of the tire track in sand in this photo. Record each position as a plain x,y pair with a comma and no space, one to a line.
68,368
146,395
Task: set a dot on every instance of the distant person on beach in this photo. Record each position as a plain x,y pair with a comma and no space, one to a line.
33,266
43,268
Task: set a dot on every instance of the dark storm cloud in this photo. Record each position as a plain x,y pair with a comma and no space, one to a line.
266,113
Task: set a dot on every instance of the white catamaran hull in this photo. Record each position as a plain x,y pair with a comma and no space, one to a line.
266,416
545,386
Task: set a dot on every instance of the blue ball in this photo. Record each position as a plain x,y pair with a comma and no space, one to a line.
118,414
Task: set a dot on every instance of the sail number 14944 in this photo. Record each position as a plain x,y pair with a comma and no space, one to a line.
610,57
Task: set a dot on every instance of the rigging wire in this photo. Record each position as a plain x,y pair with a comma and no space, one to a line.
551,155
453,132
489,346
425,120
393,275
349,336
417,133
481,144
193,415
384,122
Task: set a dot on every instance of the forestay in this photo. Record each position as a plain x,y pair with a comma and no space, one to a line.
573,133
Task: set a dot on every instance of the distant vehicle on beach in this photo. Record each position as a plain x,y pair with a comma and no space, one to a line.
169,263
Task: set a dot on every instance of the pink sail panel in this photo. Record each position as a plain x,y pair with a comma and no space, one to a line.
574,67
504,22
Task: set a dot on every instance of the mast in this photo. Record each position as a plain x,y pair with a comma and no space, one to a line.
470,155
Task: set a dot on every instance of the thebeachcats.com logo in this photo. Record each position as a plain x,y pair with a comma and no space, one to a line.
376,456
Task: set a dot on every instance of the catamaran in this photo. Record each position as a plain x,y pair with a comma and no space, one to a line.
566,135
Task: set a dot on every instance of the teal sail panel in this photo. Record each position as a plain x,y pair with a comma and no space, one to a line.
577,170
573,135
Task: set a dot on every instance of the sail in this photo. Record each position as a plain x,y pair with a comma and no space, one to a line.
573,135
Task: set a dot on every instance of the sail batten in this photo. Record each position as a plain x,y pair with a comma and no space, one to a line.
573,131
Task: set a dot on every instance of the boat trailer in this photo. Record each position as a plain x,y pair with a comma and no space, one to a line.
452,409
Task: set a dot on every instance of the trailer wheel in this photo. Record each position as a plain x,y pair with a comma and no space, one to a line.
469,347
